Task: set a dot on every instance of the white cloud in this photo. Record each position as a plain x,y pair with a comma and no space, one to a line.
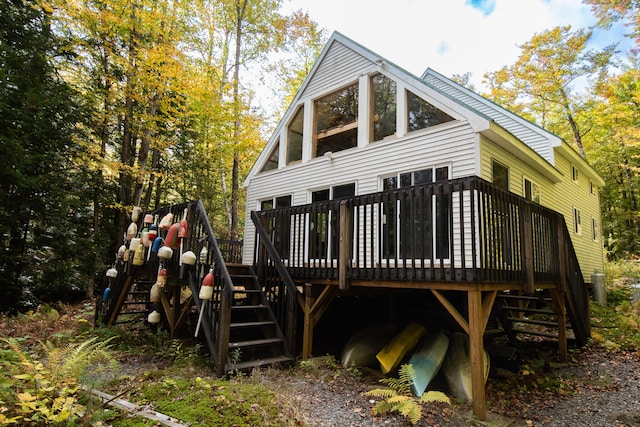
452,37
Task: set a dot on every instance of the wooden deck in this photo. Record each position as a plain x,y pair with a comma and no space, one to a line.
459,240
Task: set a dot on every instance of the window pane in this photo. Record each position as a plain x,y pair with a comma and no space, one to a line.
337,121
442,174
346,190
266,205
405,180
272,163
390,183
294,137
283,201
423,177
319,196
500,175
422,115
384,107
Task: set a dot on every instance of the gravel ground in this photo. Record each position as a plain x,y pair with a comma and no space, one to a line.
595,389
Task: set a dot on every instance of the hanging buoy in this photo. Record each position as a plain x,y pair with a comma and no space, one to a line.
138,255
144,237
188,258
148,218
132,231
121,250
135,242
156,293
205,294
161,279
165,252
166,221
135,213
154,317
112,273
157,244
183,231
171,240
105,294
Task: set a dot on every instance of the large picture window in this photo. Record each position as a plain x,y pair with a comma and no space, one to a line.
421,114
336,121
383,120
294,137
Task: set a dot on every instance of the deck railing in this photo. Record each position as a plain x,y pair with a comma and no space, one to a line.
462,230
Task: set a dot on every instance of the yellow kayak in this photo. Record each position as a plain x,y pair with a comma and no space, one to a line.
393,353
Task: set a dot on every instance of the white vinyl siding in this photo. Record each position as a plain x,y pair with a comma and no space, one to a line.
450,143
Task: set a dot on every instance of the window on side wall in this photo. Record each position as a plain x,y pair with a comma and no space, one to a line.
383,121
294,137
577,221
336,121
531,191
421,114
574,173
595,233
500,175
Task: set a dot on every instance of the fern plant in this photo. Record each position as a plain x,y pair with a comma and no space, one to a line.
398,396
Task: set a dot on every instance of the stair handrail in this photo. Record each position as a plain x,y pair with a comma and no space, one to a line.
265,240
575,292
219,326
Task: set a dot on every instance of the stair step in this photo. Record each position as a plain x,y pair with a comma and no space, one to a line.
250,343
527,310
122,313
533,321
249,307
245,291
251,324
539,333
523,297
262,362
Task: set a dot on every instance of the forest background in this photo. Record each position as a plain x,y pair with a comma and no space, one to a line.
110,104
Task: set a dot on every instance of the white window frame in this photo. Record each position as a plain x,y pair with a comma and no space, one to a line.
594,229
533,185
577,221
575,173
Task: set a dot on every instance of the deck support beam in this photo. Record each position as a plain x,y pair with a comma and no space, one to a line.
558,297
476,348
479,310
313,309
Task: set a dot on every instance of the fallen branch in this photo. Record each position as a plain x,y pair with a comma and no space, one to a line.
138,410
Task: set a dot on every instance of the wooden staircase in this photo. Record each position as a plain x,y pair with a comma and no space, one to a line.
238,324
254,336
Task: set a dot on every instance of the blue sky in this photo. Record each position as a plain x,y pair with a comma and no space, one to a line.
453,36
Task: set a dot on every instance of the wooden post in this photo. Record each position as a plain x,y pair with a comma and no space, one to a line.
344,257
476,348
307,335
561,312
526,247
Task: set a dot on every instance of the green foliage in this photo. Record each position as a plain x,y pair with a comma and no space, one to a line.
35,393
398,396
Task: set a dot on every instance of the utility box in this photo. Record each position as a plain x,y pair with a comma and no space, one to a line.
599,289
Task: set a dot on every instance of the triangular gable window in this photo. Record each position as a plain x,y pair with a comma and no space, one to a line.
272,163
422,114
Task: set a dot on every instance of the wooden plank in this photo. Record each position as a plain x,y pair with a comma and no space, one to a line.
526,247
307,334
487,305
344,257
561,312
476,349
137,410
452,310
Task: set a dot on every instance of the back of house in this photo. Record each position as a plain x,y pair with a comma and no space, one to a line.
359,125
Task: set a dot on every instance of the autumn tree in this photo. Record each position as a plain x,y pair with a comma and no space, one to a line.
46,252
616,155
627,11
543,85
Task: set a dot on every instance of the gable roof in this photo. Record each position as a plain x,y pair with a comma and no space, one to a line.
482,114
